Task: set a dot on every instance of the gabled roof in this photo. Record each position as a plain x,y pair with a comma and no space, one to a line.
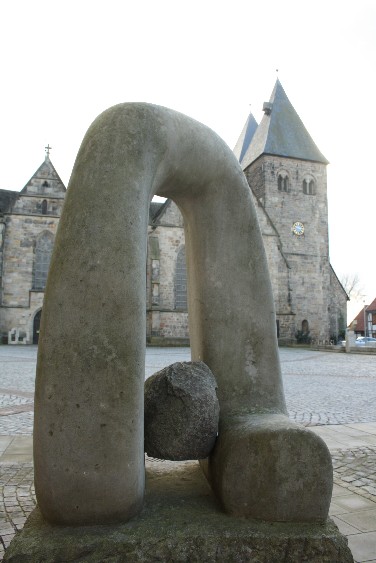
360,316
339,283
358,321
154,209
245,138
45,181
282,133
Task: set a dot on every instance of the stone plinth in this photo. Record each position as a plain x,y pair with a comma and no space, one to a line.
181,521
350,339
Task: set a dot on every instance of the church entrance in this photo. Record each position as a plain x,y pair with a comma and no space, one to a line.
36,327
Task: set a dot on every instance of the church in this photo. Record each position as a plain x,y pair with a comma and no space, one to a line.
286,173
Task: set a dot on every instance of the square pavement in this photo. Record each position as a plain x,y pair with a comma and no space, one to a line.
352,509
16,449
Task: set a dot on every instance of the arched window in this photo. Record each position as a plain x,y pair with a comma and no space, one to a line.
36,326
309,187
181,280
43,251
44,207
283,181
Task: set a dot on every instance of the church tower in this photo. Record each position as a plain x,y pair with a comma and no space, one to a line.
287,175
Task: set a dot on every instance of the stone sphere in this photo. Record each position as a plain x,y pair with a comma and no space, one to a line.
181,412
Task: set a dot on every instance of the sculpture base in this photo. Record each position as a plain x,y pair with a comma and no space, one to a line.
181,521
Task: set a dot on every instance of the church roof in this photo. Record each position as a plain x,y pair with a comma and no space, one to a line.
155,207
282,133
245,138
45,181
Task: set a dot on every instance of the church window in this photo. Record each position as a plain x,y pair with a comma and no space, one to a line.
45,184
44,207
181,280
309,187
283,182
43,251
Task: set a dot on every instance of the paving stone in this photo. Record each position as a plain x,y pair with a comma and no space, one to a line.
321,389
17,500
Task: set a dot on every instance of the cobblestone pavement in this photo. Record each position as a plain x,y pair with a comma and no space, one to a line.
329,388
321,388
17,499
355,469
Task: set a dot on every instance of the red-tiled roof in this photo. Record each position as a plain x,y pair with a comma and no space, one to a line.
359,324
358,321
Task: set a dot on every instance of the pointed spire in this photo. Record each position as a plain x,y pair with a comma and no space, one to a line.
245,138
282,132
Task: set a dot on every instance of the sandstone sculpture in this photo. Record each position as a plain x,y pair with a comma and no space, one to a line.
88,434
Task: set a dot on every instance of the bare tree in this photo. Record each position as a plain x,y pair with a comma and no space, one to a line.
352,285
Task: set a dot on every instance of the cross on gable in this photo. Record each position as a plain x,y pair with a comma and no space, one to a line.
47,149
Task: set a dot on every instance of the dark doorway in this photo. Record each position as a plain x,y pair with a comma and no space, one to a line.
36,327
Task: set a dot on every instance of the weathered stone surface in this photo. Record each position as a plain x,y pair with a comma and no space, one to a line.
26,223
270,468
181,521
181,412
88,430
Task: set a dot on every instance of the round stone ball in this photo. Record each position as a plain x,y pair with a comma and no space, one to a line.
181,412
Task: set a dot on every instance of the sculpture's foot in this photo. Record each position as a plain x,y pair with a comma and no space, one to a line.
267,467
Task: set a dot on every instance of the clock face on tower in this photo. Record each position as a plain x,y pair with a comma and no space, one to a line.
298,229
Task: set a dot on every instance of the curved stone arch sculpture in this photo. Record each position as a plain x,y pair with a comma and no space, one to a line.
88,432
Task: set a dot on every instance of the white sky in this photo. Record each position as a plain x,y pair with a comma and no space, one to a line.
63,63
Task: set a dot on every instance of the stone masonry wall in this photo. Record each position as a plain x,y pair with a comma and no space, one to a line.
174,324
307,255
256,175
337,308
165,239
303,283
19,252
19,302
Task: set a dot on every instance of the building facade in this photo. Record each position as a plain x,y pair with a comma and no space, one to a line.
287,176
28,223
364,323
286,173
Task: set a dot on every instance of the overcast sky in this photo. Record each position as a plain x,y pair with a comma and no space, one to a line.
63,63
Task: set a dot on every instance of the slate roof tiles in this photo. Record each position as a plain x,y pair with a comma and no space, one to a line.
280,133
